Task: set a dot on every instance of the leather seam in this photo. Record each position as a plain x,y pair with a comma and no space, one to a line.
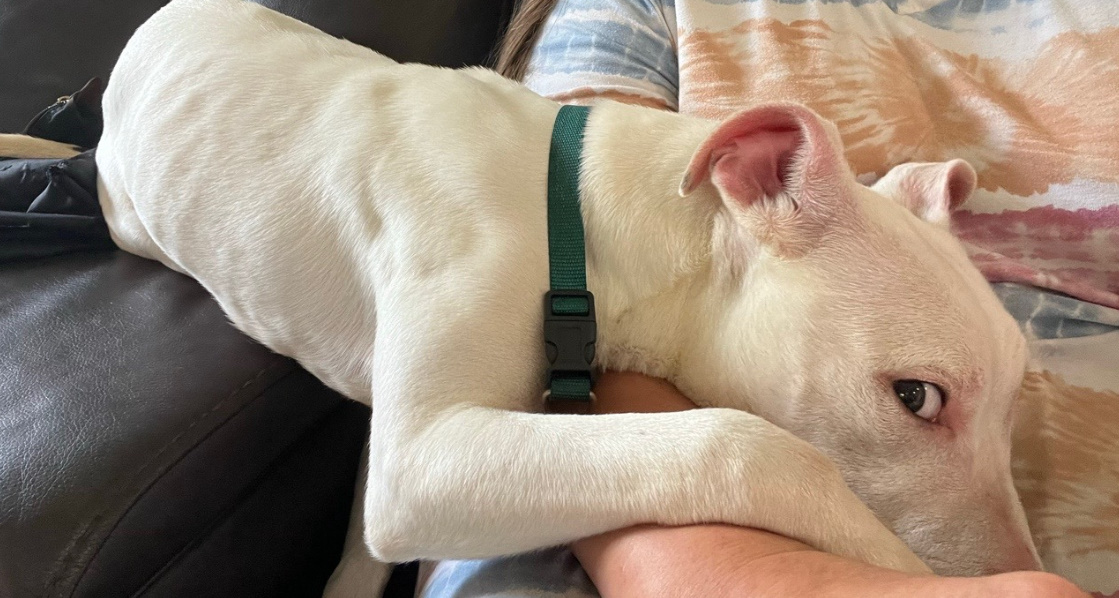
59,577
236,504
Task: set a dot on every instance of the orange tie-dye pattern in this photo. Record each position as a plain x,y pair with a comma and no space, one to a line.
898,99
1066,469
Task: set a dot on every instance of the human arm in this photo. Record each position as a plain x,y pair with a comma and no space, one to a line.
723,560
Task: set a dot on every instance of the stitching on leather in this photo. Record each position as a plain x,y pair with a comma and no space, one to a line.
217,406
226,513
60,576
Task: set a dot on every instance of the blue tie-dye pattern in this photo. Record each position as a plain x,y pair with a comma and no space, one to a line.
651,8
945,15
635,44
964,6
1047,315
852,2
591,56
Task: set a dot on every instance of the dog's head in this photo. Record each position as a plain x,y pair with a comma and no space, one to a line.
852,317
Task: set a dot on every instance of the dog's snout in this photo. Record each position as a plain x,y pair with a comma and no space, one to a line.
1025,559
1020,557
1015,549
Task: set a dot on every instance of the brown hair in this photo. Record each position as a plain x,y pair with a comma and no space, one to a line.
521,36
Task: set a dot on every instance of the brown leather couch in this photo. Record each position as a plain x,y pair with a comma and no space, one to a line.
146,447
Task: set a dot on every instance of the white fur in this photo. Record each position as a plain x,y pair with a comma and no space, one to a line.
384,224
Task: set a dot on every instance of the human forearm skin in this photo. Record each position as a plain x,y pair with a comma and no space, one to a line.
722,560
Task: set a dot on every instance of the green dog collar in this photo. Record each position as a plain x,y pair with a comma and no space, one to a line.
569,319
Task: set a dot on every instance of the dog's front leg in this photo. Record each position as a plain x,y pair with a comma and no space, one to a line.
452,475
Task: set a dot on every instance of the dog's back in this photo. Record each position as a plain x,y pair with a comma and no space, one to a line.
215,103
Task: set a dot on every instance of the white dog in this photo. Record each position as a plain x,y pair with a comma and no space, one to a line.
385,225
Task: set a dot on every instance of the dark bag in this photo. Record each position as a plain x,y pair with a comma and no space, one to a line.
49,207
74,119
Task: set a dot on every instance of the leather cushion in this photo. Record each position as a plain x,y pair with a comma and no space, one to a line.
133,419
51,47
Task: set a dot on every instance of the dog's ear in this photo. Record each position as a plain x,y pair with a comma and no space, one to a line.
769,152
931,190
780,173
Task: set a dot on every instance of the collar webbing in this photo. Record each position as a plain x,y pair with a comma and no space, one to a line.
569,324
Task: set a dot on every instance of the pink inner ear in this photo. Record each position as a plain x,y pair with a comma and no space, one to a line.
961,183
933,190
755,165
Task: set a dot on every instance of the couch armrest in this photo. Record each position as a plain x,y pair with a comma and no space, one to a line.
148,448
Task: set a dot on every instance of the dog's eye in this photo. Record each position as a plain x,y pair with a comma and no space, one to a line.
922,398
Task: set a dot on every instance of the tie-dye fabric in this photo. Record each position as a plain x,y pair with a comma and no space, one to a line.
1025,90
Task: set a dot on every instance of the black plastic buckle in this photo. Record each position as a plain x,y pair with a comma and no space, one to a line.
569,340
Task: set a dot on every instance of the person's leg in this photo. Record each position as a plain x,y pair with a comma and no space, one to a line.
551,572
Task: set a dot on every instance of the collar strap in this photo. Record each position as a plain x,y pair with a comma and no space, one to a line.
569,319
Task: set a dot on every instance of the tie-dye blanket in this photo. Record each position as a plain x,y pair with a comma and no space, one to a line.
1025,90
